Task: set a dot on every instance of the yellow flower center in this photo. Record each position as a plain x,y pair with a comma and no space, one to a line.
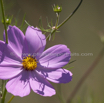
29,63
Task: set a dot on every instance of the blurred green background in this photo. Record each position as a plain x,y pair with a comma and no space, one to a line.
80,34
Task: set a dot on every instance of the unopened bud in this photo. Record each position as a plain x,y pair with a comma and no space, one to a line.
8,21
57,9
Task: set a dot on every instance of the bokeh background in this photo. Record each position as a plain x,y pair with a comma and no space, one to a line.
80,34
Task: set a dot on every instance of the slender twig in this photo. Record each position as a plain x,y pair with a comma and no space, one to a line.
4,91
57,14
3,15
71,61
53,31
11,99
86,74
70,14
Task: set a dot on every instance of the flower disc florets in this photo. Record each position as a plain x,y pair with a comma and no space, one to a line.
29,63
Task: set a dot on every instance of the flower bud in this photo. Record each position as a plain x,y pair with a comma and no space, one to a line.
57,9
8,21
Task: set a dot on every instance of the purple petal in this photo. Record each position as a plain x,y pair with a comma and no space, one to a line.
55,57
15,39
19,85
56,76
7,54
34,42
40,85
8,70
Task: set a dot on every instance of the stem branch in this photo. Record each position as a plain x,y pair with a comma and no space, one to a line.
57,14
11,99
53,31
70,15
3,97
3,15
4,91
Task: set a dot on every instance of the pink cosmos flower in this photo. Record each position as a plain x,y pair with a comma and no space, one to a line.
27,67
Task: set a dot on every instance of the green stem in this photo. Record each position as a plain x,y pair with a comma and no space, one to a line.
11,99
70,15
3,97
57,14
86,74
2,86
4,91
3,15
53,31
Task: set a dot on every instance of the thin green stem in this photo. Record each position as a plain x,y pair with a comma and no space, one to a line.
86,74
4,91
3,97
2,86
3,15
11,99
70,15
57,14
53,31
71,61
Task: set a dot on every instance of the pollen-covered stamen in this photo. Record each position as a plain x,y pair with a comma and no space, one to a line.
29,63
